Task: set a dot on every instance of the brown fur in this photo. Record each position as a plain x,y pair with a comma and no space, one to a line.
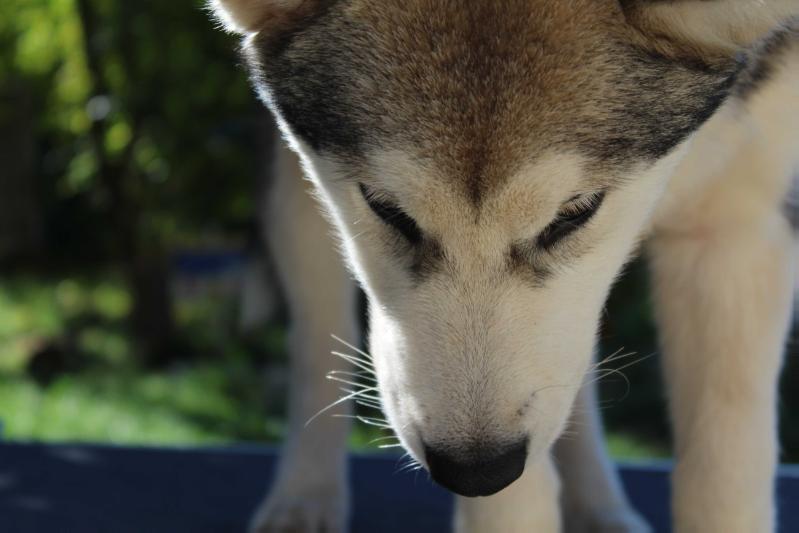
475,92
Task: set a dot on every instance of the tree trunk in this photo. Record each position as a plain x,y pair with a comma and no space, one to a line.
146,268
20,209
152,316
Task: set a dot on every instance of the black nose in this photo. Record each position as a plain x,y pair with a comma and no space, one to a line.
482,472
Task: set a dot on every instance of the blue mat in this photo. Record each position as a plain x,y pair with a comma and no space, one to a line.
96,489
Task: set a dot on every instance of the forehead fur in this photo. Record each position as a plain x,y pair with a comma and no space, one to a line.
477,89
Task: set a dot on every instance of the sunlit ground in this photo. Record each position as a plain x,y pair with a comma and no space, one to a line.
68,373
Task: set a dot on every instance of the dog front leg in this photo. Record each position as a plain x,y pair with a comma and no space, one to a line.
723,300
529,505
309,493
593,497
723,263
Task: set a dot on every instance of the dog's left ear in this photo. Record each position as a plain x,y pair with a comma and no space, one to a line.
708,28
262,16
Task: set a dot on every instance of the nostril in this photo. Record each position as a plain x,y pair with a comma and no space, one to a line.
481,471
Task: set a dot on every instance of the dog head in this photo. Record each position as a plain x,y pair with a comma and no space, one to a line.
490,166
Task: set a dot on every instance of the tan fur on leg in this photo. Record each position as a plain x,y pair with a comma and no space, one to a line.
724,303
723,263
593,498
310,489
528,505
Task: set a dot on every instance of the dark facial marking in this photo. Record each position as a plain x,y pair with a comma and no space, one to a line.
765,59
567,222
521,262
304,80
393,215
534,261
791,206
428,260
427,254
661,102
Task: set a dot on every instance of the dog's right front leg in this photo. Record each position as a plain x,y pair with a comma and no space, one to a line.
529,505
309,493
593,497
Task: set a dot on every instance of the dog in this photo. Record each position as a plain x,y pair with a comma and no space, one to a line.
489,167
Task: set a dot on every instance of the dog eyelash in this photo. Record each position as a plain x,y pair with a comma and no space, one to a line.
572,217
392,215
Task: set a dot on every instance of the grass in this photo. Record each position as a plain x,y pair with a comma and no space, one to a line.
108,397
627,446
187,406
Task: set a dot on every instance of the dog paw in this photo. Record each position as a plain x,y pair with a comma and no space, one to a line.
614,521
310,511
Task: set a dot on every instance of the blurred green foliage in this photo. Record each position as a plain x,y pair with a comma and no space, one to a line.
178,118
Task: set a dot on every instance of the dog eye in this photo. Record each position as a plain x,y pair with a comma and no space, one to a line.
392,215
574,215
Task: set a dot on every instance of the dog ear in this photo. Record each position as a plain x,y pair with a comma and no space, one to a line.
259,16
708,28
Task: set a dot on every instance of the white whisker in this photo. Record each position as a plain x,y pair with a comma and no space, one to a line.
369,421
373,405
385,437
332,405
355,361
351,347
362,393
347,381
356,375
355,358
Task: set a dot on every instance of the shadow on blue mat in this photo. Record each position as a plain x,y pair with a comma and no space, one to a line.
95,489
